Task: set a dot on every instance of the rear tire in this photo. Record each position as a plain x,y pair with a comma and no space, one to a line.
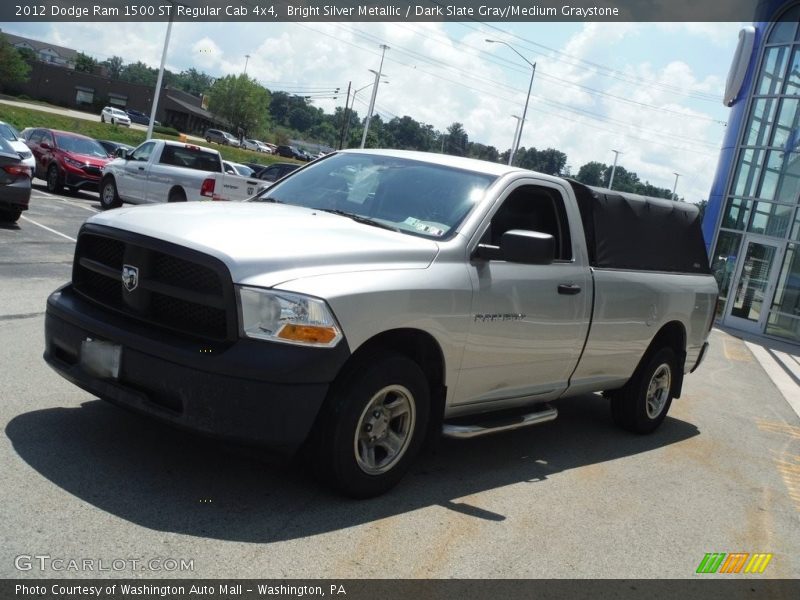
642,405
372,426
10,215
176,196
109,198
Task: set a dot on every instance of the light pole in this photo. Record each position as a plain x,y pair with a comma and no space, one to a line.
515,142
246,60
353,103
675,186
614,168
157,93
527,99
378,73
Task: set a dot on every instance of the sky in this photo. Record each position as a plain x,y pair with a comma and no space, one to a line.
653,91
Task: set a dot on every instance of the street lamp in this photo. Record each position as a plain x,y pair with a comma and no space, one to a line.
353,103
527,99
614,168
515,142
675,186
378,73
246,59
160,79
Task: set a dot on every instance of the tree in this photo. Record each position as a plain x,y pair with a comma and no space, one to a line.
114,65
13,68
27,54
241,101
139,72
456,141
592,173
193,82
85,63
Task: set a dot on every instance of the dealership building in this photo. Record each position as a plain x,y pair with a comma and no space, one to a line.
752,222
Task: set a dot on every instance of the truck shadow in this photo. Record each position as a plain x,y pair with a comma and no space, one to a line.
169,480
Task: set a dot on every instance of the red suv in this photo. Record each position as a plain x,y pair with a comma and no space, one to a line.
66,159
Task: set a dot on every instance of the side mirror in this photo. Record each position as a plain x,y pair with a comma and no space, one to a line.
45,146
521,246
121,153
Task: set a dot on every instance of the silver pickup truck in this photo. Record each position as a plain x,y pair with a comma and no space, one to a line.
166,171
375,298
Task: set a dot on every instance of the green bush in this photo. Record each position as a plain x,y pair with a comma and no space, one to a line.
166,130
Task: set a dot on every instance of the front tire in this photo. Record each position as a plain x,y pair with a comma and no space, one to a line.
54,182
373,425
642,405
109,197
10,215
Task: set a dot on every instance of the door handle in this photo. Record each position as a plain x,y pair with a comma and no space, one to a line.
569,289
140,168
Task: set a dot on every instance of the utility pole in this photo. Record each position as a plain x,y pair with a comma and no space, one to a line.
614,168
675,186
246,59
378,74
345,115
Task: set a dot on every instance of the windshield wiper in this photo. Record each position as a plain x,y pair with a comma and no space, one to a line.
358,218
268,199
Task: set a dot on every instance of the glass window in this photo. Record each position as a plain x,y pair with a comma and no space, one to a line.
763,115
789,185
723,263
143,152
748,172
783,32
737,213
793,77
784,318
84,96
771,175
772,72
771,219
752,287
786,122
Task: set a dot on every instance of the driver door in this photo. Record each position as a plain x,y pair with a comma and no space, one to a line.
133,181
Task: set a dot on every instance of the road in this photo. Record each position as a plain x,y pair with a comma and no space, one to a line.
83,479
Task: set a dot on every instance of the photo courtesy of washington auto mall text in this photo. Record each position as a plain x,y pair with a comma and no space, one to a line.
399,299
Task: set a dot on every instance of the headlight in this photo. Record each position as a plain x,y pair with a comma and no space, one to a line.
73,163
286,317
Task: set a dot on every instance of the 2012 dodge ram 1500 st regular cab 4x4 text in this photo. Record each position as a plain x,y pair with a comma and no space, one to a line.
165,171
376,297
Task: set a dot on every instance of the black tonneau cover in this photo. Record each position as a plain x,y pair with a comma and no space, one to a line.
628,231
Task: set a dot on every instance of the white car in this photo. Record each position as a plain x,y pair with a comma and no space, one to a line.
237,168
12,136
256,146
115,116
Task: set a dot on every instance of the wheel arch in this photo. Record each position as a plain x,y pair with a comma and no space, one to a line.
671,335
421,347
176,189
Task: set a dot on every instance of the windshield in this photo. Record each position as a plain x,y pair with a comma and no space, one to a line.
78,145
409,196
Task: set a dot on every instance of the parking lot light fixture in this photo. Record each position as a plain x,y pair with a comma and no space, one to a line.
515,147
160,79
378,75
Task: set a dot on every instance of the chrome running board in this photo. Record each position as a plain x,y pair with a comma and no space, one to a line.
451,430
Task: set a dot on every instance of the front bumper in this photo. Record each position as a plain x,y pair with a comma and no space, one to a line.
251,391
81,181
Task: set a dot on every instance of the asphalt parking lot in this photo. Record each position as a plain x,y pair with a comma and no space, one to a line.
572,498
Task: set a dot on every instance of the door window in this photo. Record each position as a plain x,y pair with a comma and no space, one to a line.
143,152
533,208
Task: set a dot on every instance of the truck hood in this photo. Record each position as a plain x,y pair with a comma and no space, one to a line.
266,244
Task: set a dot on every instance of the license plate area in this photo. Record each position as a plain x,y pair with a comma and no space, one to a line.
101,359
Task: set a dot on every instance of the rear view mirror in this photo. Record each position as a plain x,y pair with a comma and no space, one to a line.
121,153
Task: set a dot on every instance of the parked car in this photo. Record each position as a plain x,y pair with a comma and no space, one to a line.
272,147
167,171
378,297
256,146
15,183
290,152
112,147
221,137
140,117
16,141
115,116
237,168
276,170
67,159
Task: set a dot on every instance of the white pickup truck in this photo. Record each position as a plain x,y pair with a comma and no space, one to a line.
166,171
375,297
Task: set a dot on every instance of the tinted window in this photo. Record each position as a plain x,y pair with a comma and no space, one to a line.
143,152
35,136
7,132
413,197
79,145
191,158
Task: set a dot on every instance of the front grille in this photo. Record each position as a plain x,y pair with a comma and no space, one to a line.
177,289
93,171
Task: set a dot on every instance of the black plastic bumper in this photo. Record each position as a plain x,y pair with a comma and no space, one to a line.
251,391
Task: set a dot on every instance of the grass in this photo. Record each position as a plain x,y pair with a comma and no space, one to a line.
26,117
